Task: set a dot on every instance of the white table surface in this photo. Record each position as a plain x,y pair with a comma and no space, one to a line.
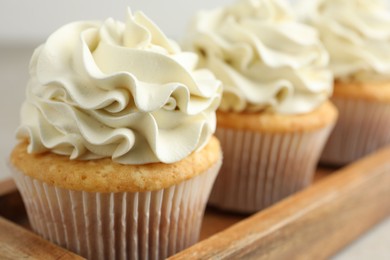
374,245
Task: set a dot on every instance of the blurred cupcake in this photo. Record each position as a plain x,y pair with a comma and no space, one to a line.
117,157
274,115
356,34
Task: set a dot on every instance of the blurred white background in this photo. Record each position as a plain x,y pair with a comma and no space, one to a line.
24,24
32,21
24,21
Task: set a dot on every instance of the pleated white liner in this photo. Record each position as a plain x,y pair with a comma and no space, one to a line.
124,225
362,128
259,169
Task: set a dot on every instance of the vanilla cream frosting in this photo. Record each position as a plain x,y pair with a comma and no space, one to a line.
264,57
356,34
119,90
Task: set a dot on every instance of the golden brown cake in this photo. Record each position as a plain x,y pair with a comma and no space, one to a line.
365,91
105,175
276,123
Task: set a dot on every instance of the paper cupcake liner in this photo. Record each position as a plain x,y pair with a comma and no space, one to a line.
260,169
123,225
362,128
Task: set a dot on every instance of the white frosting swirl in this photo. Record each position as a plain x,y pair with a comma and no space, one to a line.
118,90
264,57
356,34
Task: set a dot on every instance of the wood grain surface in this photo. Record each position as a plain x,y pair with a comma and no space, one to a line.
7,186
18,243
312,224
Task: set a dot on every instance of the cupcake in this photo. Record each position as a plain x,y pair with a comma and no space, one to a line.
356,34
117,156
274,116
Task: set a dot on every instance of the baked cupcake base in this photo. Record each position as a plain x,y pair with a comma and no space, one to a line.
123,224
363,128
268,157
364,122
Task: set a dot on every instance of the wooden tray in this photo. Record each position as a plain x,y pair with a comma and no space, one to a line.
314,223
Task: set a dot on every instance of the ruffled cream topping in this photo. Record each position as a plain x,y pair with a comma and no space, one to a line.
356,34
264,57
120,90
